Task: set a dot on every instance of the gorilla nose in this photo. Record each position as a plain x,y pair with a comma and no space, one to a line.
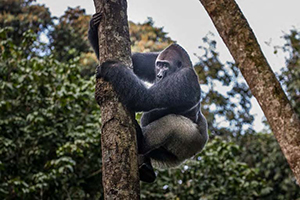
159,76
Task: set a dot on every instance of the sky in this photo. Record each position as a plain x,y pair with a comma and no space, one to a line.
187,22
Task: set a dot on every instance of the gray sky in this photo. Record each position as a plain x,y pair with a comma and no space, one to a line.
187,22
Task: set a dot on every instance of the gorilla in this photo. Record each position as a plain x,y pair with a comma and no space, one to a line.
173,128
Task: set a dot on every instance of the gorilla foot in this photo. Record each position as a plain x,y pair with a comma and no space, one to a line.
147,173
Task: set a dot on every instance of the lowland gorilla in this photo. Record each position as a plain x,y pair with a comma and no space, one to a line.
172,126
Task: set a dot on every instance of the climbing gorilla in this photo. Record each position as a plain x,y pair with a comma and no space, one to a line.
172,125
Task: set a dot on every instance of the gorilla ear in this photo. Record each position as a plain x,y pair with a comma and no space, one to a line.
179,64
183,56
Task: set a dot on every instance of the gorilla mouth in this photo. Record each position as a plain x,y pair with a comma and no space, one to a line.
158,79
160,76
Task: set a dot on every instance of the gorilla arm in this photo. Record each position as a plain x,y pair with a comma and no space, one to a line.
179,90
143,63
93,32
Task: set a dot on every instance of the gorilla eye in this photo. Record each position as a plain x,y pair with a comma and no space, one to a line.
164,65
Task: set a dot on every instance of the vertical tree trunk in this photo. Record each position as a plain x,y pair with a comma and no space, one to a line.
119,149
240,40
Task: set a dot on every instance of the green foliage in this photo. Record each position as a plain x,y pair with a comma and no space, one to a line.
227,109
263,152
68,40
49,124
213,174
69,35
290,76
23,15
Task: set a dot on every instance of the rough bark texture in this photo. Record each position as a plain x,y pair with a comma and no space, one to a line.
240,40
119,149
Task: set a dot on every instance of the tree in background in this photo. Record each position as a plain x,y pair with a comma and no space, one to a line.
48,144
290,76
227,109
261,151
146,37
243,46
68,39
23,15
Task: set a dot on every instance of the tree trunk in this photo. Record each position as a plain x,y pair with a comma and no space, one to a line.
119,148
240,40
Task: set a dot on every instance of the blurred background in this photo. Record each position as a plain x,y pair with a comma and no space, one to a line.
50,122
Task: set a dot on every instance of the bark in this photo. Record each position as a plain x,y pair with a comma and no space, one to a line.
241,42
119,148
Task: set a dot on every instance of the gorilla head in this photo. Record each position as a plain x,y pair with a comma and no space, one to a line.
171,60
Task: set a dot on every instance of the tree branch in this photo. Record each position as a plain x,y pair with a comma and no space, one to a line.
240,40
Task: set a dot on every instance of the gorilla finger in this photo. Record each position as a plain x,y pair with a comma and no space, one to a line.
97,18
98,72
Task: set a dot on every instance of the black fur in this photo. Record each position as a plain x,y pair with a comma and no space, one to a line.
145,70
173,127
93,32
175,93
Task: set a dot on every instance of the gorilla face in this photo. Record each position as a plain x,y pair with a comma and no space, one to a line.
164,68
171,60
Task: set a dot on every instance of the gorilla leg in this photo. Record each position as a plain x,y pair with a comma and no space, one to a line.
172,139
146,171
